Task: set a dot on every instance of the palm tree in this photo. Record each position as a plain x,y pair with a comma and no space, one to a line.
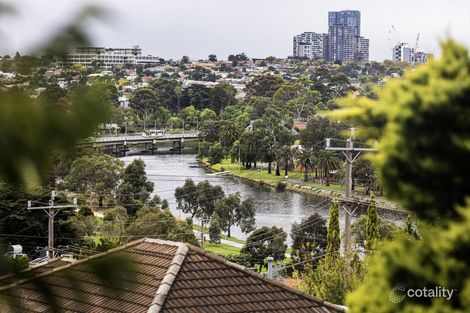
228,134
286,154
306,159
328,161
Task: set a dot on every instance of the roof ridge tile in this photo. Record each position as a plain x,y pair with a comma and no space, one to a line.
167,281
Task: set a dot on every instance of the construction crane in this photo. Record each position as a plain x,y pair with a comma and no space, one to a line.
416,44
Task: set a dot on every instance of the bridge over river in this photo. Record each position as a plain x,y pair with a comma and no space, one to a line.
122,142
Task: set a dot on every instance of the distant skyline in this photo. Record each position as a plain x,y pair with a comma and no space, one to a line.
260,28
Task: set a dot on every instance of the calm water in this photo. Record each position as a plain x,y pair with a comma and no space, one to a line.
273,208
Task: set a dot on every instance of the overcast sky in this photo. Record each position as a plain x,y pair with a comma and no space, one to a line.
260,28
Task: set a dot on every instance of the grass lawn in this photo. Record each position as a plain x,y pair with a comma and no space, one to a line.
223,236
262,175
221,249
255,174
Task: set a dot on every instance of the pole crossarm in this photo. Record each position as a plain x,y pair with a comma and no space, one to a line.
348,151
51,211
52,207
351,149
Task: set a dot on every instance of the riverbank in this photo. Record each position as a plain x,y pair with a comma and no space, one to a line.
294,182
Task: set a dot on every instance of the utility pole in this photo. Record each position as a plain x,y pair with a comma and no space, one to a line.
51,213
239,157
351,153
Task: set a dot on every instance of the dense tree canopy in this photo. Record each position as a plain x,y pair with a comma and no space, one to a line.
265,242
308,239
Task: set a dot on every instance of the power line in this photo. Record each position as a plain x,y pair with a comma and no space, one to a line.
51,213
348,153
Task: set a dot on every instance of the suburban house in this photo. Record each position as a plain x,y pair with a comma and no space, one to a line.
164,276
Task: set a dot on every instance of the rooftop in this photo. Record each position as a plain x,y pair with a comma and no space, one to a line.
164,277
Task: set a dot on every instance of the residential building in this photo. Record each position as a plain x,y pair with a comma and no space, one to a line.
311,45
402,52
362,49
422,57
165,277
344,37
108,57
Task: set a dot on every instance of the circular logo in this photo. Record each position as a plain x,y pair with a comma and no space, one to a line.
398,293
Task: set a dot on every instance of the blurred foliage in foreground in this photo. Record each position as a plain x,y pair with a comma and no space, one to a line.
422,122
33,130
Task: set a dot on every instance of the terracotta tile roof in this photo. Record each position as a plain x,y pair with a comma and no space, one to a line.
37,269
165,277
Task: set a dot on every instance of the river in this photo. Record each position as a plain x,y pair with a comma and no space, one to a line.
273,208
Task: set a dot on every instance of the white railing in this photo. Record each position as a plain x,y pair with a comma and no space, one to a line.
139,137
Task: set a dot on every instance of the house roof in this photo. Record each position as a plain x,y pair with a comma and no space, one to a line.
164,277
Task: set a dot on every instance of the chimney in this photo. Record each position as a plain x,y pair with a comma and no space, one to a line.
270,260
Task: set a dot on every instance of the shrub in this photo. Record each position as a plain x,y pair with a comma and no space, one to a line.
216,154
281,186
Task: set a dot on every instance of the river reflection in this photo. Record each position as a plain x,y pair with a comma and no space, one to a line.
273,208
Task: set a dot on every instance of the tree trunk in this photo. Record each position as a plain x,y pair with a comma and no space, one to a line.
269,167
228,232
254,164
278,172
327,177
100,201
306,175
286,167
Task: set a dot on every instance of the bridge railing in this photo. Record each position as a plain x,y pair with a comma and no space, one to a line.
136,136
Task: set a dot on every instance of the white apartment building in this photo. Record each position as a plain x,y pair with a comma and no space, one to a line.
310,45
108,57
402,52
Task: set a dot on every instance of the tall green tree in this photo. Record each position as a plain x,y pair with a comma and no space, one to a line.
328,161
333,236
372,224
161,224
135,188
216,153
212,58
286,155
186,198
114,224
317,129
234,212
207,197
222,95
306,159
94,175
144,101
335,275
308,240
264,86
229,132
264,242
